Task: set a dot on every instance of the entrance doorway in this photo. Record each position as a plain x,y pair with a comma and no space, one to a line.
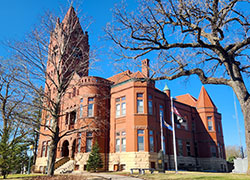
65,149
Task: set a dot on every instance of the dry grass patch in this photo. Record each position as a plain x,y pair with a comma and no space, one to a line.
186,175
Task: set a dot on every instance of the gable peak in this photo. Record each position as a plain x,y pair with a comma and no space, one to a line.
204,100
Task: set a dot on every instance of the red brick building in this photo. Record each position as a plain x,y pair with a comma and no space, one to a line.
122,113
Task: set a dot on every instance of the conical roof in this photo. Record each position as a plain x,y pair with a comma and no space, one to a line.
166,88
204,100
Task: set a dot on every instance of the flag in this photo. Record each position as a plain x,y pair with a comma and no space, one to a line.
179,119
166,125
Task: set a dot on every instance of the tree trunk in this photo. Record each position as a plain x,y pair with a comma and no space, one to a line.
246,114
244,100
35,147
52,152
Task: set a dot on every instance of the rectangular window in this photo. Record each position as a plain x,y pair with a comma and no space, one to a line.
89,134
117,145
123,144
67,119
79,145
88,144
210,123
219,128
123,109
48,146
72,117
140,131
74,92
81,111
139,106
140,139
219,153
46,124
213,151
50,123
120,144
90,107
150,105
140,95
43,149
140,143
123,133
120,106
188,148
180,147
151,141
118,110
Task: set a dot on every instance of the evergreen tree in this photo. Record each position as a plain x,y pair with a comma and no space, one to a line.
95,160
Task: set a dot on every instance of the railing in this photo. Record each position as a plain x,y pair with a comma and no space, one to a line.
61,162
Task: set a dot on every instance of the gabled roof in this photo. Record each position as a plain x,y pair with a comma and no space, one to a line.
126,75
123,76
187,99
204,100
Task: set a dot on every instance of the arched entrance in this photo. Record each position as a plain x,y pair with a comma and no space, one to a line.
73,149
65,149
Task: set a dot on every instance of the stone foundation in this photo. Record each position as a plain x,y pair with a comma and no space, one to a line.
127,160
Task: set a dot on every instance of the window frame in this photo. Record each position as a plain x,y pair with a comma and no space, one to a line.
140,135
140,106
120,135
91,104
180,147
43,151
121,103
188,148
151,143
89,137
210,125
150,104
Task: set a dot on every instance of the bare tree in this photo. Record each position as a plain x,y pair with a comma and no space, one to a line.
209,39
54,54
13,134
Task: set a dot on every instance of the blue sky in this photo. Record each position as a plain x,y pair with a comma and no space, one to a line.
17,18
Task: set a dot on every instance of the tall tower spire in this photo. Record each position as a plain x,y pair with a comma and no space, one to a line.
69,46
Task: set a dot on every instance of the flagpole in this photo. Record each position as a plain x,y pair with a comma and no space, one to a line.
162,143
174,141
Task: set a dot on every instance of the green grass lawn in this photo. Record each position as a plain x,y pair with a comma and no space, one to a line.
189,175
21,176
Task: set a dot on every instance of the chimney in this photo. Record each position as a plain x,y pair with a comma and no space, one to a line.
145,68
